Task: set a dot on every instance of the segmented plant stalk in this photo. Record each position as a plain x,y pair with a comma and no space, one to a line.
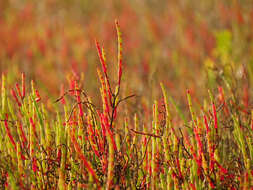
79,102
20,161
110,169
104,94
210,146
32,143
194,118
145,151
119,53
9,133
154,146
92,137
22,135
112,150
104,67
23,85
166,137
3,96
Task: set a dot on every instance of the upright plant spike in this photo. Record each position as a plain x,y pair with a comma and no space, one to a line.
104,55
104,121
101,54
110,161
252,119
19,158
166,135
214,111
39,114
107,81
8,132
79,100
22,135
154,145
23,85
4,97
32,137
194,119
119,52
18,90
165,98
106,108
101,57
215,117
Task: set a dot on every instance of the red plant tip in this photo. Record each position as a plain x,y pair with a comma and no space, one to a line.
38,98
23,85
188,91
215,117
18,89
15,97
102,61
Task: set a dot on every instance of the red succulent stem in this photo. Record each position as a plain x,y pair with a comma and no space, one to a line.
15,97
119,52
24,139
102,61
8,132
215,118
79,101
23,85
19,91
107,127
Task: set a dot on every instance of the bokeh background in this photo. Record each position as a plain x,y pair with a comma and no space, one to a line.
184,44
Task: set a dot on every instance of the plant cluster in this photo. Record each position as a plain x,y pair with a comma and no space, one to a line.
91,146
130,123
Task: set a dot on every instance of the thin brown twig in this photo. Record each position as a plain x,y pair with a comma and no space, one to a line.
123,99
75,105
68,91
9,121
148,134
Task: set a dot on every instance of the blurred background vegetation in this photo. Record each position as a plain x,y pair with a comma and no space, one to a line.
184,44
